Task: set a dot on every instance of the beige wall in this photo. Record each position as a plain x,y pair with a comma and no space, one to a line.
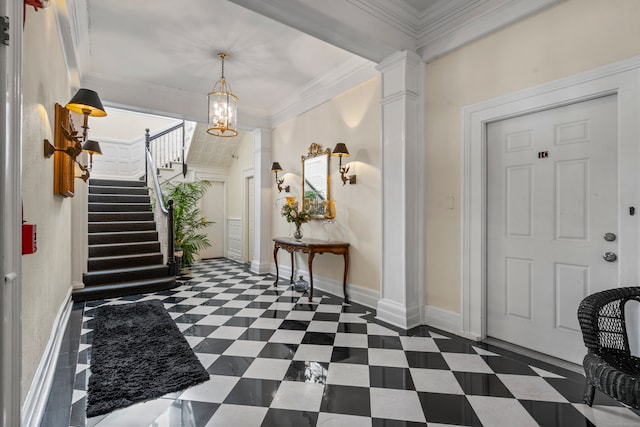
352,117
47,273
238,166
574,36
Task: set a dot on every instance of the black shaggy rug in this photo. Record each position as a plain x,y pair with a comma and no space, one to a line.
138,354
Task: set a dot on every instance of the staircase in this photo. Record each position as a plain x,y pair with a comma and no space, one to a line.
124,251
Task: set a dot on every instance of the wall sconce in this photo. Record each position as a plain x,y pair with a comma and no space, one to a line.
67,141
275,167
92,147
341,151
87,103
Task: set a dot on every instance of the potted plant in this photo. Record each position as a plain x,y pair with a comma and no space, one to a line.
188,221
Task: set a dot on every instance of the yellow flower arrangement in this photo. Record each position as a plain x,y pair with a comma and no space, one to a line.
291,213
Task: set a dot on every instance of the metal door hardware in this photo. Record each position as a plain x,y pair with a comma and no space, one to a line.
610,257
4,26
610,237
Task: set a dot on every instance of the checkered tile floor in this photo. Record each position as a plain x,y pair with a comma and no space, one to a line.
277,360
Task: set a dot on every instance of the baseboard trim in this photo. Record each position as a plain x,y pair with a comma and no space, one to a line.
397,314
364,296
443,319
38,394
258,267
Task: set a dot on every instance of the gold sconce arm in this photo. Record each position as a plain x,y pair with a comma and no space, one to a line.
275,167
341,151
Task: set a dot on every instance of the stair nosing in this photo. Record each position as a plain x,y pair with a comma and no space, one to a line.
125,269
122,243
108,233
114,257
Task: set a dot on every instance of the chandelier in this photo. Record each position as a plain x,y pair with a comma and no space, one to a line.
223,107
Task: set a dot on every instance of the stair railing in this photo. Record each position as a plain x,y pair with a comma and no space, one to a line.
168,148
167,211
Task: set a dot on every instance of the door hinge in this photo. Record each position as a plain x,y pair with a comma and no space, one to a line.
4,24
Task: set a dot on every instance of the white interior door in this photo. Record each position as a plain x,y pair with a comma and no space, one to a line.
212,207
552,195
251,218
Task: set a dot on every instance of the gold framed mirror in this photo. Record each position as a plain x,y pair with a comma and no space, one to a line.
316,188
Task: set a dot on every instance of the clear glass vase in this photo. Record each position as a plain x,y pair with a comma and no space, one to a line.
297,233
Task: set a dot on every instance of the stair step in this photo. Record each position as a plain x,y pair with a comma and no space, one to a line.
115,183
102,227
114,262
141,191
120,289
119,198
124,251
122,237
125,274
118,249
119,207
120,216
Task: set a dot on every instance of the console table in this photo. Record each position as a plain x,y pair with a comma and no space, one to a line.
312,247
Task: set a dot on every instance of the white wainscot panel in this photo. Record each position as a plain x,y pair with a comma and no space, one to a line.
572,200
572,285
519,279
519,201
234,225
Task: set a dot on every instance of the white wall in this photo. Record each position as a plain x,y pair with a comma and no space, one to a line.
354,118
574,36
47,275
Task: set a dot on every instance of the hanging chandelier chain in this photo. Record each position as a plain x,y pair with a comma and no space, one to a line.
222,55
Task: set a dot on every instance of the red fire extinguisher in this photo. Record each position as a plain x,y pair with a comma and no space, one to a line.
29,237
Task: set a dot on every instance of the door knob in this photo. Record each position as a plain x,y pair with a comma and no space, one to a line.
609,237
609,256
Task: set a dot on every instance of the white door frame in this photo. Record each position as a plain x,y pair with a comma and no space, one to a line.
10,217
623,79
246,175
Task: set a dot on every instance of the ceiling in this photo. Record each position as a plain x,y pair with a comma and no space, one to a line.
285,56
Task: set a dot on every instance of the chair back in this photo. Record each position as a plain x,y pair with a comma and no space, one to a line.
602,319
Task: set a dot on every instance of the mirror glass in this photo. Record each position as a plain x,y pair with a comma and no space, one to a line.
315,180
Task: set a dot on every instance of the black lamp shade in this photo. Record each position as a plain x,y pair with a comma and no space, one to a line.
341,150
86,100
91,147
275,167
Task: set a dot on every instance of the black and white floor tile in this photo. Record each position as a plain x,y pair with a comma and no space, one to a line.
277,360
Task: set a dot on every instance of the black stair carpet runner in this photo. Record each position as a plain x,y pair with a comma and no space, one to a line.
124,251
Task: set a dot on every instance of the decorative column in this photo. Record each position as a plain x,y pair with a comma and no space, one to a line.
262,247
401,299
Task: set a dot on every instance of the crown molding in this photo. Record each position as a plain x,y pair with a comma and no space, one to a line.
352,72
73,31
462,23
399,15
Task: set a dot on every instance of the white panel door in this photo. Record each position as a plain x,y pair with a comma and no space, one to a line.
212,207
552,194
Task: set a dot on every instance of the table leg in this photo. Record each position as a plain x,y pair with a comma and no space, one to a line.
275,259
311,255
292,268
344,277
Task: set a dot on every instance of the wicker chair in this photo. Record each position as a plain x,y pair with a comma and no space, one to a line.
609,366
